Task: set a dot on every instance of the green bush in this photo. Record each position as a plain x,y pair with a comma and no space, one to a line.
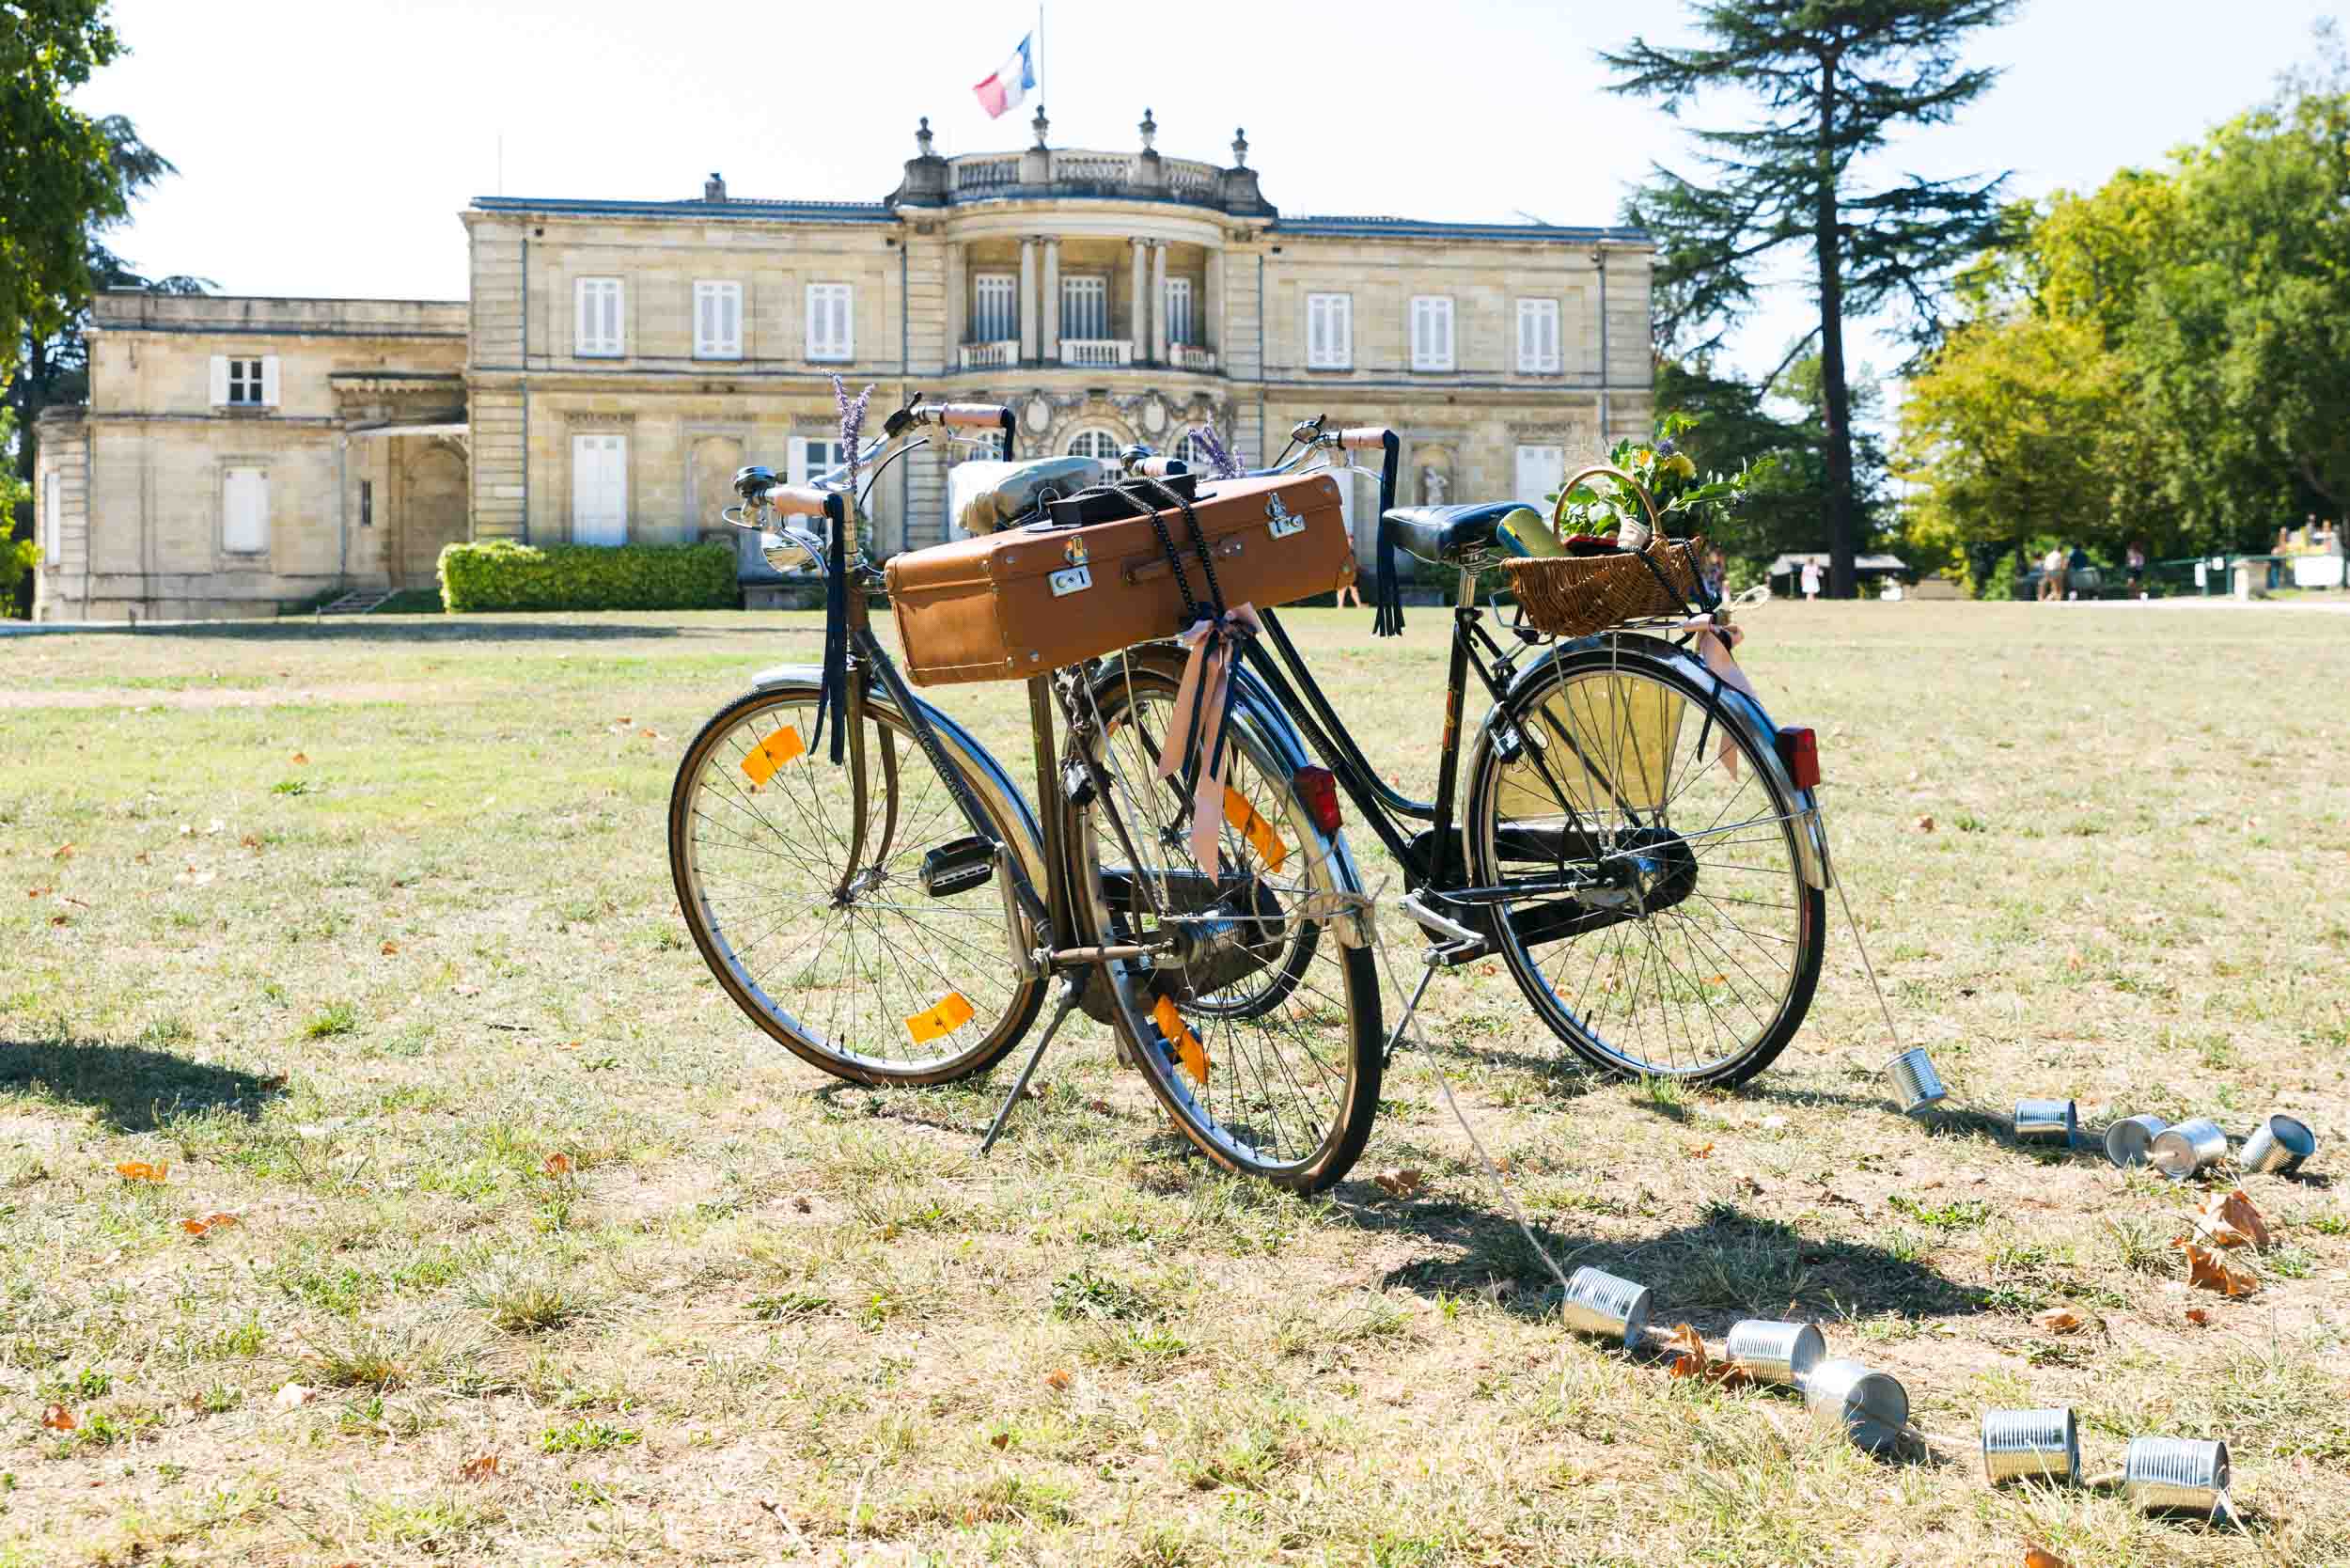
499,575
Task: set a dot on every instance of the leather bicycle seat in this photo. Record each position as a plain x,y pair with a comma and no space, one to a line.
1445,534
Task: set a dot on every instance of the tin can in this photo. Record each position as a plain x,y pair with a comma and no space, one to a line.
2280,1144
1772,1352
1915,1085
1870,1407
2182,1151
2047,1121
2160,1474
1599,1303
2129,1141
2030,1445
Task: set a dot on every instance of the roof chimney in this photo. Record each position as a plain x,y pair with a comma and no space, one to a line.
715,188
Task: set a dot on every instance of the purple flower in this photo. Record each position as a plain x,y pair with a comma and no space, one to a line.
851,423
1221,462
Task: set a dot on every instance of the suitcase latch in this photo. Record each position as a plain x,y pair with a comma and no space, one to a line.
1282,521
1068,579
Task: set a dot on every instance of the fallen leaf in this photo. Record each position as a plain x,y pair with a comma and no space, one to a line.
622,719
479,1467
801,1204
2060,1320
207,1224
390,947
300,761
64,852
2230,1220
2199,1316
1057,1380
1099,1107
294,1396
37,893
1700,1151
2040,1556
1923,825
58,1418
139,1171
60,920
1687,1351
558,1165
141,858
648,734
2206,1272
1001,1439
251,842
1398,1183
1751,1186
272,1084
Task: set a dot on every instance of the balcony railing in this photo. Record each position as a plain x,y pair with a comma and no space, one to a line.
1096,352
1186,356
991,356
1080,172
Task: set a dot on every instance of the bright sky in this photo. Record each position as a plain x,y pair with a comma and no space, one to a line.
325,149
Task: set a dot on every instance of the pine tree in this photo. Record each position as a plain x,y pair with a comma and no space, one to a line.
1831,79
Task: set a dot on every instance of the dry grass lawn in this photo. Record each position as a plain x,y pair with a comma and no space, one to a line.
356,926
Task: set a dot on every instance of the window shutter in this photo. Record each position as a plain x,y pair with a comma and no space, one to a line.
1342,331
612,339
1527,354
584,316
1317,330
220,380
796,464
705,319
730,318
245,507
269,381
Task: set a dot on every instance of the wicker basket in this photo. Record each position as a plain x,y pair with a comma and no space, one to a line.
1573,596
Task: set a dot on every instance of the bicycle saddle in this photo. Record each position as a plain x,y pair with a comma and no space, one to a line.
1446,534
982,496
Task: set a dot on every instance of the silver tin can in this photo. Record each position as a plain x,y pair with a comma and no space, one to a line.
2160,1474
2047,1121
2280,1144
2129,1141
1870,1407
1915,1085
2030,1445
1599,1303
2182,1151
1772,1352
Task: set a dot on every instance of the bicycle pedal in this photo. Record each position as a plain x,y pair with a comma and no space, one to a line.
1452,955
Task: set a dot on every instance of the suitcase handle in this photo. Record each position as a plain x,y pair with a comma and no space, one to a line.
1158,566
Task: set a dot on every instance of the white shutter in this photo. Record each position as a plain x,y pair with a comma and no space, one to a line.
612,334
596,329
1541,470
220,381
1317,330
269,381
730,318
796,463
1432,333
244,510
1342,331
1527,354
584,316
1538,337
717,321
599,490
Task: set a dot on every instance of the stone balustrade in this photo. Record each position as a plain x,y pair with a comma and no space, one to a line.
997,356
1096,352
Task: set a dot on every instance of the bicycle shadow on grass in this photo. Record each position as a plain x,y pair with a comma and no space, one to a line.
1731,1265
134,1088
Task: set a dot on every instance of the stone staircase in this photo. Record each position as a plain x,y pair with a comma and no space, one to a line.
357,601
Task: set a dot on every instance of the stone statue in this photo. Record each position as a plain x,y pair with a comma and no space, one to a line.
1434,486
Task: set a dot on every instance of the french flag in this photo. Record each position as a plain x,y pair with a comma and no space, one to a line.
1008,87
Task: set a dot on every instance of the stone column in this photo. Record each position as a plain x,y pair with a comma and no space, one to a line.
1027,300
958,304
1212,308
1052,303
1141,306
1158,301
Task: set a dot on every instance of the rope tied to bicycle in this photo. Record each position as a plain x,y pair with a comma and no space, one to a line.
1714,645
1203,705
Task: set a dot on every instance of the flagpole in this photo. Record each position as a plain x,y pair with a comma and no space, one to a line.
1040,51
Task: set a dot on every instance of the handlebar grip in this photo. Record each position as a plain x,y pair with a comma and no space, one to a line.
964,415
1158,467
1363,438
795,500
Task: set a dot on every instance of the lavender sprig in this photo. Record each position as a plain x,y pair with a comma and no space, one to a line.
1220,460
851,423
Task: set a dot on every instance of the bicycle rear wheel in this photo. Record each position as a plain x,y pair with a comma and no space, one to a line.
1260,1033
847,960
1695,948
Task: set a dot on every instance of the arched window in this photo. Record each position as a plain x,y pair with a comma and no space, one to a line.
1094,443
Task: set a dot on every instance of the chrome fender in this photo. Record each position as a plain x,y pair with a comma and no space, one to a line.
1810,835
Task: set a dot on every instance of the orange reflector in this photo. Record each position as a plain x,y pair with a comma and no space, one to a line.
1253,827
773,753
943,1019
1188,1050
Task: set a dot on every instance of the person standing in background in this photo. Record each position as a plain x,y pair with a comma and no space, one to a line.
1812,579
2135,561
2052,574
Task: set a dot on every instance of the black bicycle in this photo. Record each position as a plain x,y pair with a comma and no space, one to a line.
1633,838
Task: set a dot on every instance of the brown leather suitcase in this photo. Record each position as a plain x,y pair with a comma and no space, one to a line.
1011,605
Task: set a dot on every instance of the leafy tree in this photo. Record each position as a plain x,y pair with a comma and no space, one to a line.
56,172
1831,79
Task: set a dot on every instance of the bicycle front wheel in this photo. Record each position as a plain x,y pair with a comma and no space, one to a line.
1258,1028
1690,942
869,940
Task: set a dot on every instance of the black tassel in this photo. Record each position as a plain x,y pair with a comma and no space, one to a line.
1388,620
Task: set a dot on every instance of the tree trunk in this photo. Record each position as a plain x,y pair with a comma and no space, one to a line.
1835,401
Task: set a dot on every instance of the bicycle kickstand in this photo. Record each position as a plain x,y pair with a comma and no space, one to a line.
1073,987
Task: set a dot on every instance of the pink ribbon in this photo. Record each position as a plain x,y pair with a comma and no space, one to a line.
1207,678
1713,646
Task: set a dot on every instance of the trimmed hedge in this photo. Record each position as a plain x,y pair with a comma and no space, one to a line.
499,575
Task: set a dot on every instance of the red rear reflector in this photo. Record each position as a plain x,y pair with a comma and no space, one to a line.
1319,788
1799,753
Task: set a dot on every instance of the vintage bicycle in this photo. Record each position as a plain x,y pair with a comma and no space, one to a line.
898,917
1627,831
